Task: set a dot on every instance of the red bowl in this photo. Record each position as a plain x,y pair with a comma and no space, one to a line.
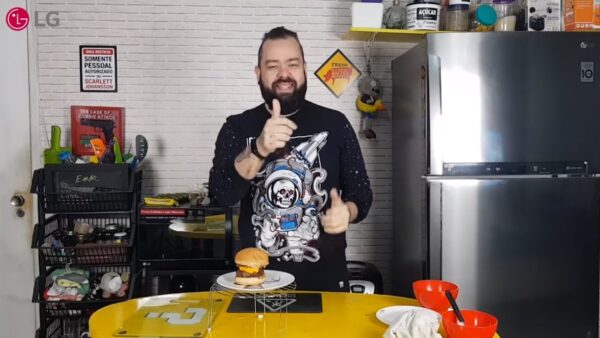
477,324
431,294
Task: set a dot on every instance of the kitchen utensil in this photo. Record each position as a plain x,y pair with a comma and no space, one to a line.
117,151
477,324
141,149
52,154
461,319
431,294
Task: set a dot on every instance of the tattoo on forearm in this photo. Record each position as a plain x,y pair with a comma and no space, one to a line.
243,155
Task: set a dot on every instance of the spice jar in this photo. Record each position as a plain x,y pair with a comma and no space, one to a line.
457,18
507,19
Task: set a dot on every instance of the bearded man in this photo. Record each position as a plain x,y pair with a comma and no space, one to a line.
297,169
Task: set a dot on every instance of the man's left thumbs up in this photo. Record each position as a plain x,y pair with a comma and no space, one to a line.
336,219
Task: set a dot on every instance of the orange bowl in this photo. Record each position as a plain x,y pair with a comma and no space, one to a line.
431,294
477,324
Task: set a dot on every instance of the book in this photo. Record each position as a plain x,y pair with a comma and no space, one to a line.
89,122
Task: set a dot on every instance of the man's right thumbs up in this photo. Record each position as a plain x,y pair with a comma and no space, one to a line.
276,109
276,133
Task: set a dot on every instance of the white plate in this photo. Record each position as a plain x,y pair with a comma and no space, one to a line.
275,280
390,314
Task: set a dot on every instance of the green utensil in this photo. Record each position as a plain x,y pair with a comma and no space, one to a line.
117,151
51,155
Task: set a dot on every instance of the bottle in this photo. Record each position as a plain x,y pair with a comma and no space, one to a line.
507,19
521,14
395,16
457,18
443,14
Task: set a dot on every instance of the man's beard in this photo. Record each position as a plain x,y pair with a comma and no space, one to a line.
290,103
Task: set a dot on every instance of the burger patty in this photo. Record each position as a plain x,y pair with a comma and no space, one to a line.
239,273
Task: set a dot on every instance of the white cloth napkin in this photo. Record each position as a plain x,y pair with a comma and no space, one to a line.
414,324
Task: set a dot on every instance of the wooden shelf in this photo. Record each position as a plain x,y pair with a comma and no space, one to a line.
384,34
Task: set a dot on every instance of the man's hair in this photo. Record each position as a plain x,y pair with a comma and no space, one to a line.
276,34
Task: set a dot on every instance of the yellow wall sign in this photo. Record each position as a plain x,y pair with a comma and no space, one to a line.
337,73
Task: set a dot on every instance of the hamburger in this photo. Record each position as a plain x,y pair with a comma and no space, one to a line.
250,264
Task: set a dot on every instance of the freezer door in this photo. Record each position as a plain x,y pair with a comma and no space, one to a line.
524,250
514,97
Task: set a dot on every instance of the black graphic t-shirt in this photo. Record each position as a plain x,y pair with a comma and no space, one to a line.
280,206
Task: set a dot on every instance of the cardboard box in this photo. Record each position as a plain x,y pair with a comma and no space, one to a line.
579,15
544,15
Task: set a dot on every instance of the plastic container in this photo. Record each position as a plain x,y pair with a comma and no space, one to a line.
459,2
507,18
457,18
423,15
483,19
367,14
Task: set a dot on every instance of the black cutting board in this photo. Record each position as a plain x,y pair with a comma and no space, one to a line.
296,303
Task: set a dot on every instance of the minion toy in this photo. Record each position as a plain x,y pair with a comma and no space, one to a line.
369,103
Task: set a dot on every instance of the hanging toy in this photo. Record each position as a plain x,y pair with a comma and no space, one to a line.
369,103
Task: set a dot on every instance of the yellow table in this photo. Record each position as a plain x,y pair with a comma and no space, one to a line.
344,315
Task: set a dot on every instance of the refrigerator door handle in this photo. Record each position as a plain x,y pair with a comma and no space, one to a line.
435,113
435,84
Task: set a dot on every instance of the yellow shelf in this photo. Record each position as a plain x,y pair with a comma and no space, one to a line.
384,34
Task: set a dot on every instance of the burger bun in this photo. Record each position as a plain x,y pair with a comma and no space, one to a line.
250,281
252,257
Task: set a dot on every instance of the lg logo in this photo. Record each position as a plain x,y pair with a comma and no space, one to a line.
17,19
587,71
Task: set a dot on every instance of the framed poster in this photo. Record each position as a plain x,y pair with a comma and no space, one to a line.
98,68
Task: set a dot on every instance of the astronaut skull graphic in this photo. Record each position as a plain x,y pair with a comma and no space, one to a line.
283,193
287,199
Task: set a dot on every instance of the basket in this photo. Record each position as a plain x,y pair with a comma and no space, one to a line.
85,187
97,250
84,307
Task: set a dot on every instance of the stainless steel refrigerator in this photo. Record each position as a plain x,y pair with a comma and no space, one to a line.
496,155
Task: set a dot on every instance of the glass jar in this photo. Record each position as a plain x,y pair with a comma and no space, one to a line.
457,18
482,19
507,19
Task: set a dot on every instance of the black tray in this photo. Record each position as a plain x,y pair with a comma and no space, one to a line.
295,303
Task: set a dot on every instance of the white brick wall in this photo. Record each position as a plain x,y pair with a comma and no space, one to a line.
185,65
